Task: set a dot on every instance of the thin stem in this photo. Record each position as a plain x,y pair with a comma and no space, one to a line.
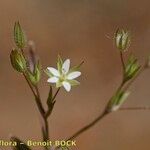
37,98
29,85
40,107
37,91
45,132
122,61
39,103
55,94
47,128
136,108
87,127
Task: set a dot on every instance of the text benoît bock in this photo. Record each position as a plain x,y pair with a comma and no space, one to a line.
34,143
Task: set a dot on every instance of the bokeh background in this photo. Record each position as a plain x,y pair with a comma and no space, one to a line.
79,30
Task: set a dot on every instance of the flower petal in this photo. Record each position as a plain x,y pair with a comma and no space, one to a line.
67,86
73,75
54,71
53,80
66,66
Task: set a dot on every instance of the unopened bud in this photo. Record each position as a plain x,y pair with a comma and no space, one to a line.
117,100
122,39
131,68
19,36
18,60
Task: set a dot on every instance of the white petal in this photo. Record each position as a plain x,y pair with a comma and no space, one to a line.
53,80
66,66
54,71
67,86
73,75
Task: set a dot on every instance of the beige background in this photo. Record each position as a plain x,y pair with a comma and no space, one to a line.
79,30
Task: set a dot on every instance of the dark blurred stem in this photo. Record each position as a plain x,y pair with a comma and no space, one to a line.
122,62
136,108
39,103
40,108
37,98
56,94
37,91
46,132
29,85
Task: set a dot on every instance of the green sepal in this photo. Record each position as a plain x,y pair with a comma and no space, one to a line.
131,68
122,39
59,63
35,76
18,61
76,68
73,82
19,36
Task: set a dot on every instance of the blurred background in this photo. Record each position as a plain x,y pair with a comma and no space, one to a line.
79,30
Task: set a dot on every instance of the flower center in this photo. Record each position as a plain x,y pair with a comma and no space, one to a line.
63,77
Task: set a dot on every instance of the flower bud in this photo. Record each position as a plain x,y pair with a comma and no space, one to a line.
131,68
117,100
122,39
18,60
35,76
19,36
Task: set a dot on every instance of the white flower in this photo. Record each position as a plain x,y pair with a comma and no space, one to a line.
63,75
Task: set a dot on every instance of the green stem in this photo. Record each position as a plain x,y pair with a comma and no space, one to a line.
29,85
37,98
55,94
45,129
45,132
122,62
136,108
